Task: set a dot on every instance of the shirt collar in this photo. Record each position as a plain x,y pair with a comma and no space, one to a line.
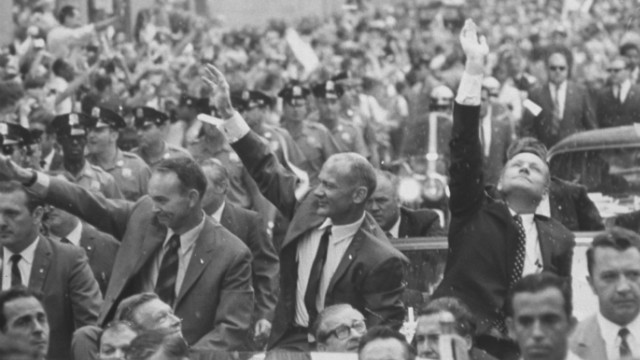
609,330
217,215
28,254
188,238
395,229
340,233
561,87
526,218
75,234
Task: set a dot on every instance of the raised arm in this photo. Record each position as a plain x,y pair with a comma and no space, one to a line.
466,182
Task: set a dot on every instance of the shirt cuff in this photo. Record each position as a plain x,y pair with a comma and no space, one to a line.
41,186
469,90
234,128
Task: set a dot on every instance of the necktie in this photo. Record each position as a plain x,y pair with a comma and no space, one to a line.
64,240
16,278
625,350
166,284
313,286
617,93
557,115
518,261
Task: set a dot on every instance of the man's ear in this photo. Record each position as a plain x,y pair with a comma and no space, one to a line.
360,195
37,214
194,197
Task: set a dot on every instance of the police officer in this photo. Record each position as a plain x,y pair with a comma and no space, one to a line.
314,139
130,171
348,135
15,140
71,134
152,126
186,114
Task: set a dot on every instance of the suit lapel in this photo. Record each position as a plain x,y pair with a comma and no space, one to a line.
545,240
304,220
200,257
87,241
568,101
227,218
402,230
41,264
630,95
347,258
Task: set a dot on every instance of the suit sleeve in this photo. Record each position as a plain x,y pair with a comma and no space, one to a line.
266,267
233,315
275,182
382,293
110,216
466,180
84,292
589,218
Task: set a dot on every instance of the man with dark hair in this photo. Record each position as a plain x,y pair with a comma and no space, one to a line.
632,52
495,240
384,343
115,340
22,317
169,246
61,272
560,107
338,328
540,317
618,103
613,261
130,171
249,228
158,344
446,316
360,267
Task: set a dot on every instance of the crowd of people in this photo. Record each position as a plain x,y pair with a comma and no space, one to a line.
193,191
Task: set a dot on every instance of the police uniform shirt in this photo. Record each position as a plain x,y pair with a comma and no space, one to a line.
349,138
95,179
130,172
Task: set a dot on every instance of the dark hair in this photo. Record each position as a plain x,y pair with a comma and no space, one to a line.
59,66
150,342
117,326
616,238
385,332
465,321
626,47
65,12
128,306
217,165
535,283
565,52
188,171
10,187
15,292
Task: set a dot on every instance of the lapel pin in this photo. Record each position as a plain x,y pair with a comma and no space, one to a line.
350,257
201,261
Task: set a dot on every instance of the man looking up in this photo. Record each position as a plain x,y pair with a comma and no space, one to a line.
22,316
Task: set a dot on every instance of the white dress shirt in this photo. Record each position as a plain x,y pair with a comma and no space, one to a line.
485,140
217,215
533,255
561,95
73,237
624,91
609,332
187,243
339,241
25,264
395,229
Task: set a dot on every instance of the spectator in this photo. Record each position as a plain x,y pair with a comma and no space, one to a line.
618,103
383,343
613,261
22,316
560,107
152,126
540,317
338,328
632,52
115,341
158,345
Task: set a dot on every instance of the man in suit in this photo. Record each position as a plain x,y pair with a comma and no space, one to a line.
613,261
495,136
361,267
339,328
493,242
23,318
169,246
569,203
559,108
248,227
540,317
101,248
632,52
71,295
618,103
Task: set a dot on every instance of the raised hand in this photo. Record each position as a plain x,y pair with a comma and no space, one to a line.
475,47
221,96
10,171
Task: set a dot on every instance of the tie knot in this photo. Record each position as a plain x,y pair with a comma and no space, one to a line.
15,258
174,241
623,333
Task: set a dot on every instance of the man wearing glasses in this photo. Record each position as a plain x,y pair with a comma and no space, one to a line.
560,107
339,328
618,103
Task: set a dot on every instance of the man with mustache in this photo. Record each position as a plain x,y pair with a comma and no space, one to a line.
613,261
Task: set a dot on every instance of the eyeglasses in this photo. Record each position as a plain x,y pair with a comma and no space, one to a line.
342,332
557,68
614,70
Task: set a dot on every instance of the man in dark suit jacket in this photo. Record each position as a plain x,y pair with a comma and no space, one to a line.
361,267
71,295
101,248
618,103
489,245
247,226
496,136
212,295
558,108
569,203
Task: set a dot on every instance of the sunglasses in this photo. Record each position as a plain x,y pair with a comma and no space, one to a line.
614,70
557,68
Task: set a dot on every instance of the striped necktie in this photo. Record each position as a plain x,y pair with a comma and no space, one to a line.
168,274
